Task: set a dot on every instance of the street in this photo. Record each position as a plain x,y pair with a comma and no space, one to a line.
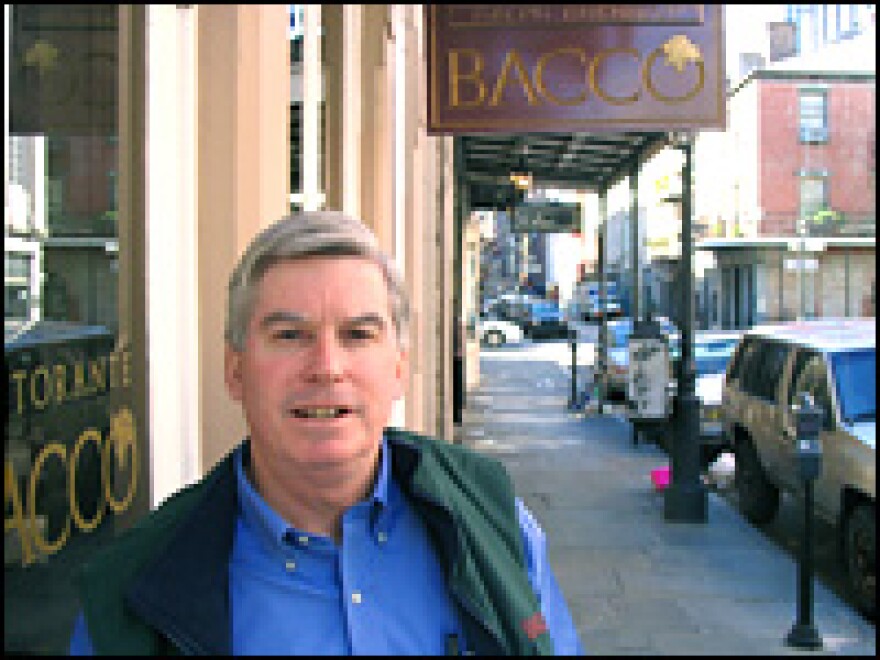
544,368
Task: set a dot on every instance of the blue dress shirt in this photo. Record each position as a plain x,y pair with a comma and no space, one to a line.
380,592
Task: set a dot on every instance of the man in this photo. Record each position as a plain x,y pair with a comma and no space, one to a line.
324,531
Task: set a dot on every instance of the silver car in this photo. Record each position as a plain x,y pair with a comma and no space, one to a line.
495,333
834,361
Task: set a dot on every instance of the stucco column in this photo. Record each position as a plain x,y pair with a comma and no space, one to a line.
244,173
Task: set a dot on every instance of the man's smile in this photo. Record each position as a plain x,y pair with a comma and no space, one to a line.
321,412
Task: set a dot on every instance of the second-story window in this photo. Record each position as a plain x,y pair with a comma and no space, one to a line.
813,105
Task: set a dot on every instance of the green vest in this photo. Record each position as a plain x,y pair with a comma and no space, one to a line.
162,586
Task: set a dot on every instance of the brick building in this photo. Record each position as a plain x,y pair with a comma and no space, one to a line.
794,231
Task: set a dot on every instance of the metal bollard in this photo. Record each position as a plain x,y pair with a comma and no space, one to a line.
803,633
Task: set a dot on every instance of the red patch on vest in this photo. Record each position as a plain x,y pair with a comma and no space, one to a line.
534,625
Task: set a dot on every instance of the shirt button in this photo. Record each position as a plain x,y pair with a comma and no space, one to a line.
356,597
290,565
382,536
303,540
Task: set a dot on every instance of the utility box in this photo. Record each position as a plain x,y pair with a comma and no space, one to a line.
649,378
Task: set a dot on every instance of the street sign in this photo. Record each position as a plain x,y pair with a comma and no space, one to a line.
546,217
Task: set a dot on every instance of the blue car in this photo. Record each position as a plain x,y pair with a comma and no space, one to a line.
545,319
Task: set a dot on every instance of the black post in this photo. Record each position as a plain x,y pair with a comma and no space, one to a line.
600,365
636,268
804,634
572,337
686,499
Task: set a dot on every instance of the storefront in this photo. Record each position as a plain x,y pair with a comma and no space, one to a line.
146,146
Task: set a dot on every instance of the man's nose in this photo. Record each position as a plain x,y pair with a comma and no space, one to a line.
328,358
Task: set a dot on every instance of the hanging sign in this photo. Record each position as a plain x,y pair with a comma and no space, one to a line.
572,68
546,217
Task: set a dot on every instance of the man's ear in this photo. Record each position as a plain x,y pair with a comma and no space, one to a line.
232,372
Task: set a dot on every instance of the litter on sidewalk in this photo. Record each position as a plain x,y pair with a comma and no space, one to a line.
660,477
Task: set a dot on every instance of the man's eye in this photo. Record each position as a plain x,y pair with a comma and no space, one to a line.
287,334
361,334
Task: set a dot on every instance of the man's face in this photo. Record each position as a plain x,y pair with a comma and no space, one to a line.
321,365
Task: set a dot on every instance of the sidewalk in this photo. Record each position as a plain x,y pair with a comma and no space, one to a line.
635,583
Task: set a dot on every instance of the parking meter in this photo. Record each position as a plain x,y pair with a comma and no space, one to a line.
649,374
808,422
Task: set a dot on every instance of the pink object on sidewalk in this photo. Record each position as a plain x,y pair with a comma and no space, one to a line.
660,477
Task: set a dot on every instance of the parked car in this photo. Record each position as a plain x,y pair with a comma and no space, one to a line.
589,311
712,354
544,318
588,307
514,307
593,311
833,360
498,332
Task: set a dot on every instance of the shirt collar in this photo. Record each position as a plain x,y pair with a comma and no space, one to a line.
268,523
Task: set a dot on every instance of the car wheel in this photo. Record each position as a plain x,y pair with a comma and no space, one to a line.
860,548
758,498
493,338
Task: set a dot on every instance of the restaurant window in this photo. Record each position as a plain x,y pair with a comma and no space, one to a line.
75,459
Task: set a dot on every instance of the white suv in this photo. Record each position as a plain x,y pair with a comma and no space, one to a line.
833,360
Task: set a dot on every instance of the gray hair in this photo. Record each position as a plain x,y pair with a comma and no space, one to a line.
302,235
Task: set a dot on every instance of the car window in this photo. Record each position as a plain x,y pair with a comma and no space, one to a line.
811,376
741,357
765,369
855,377
710,362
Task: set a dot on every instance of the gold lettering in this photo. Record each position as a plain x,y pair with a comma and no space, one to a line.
122,438
60,382
126,369
42,544
78,380
513,60
85,525
43,373
19,377
98,373
113,368
653,91
456,76
539,76
16,522
594,84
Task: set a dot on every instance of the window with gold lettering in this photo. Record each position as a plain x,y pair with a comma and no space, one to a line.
73,460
